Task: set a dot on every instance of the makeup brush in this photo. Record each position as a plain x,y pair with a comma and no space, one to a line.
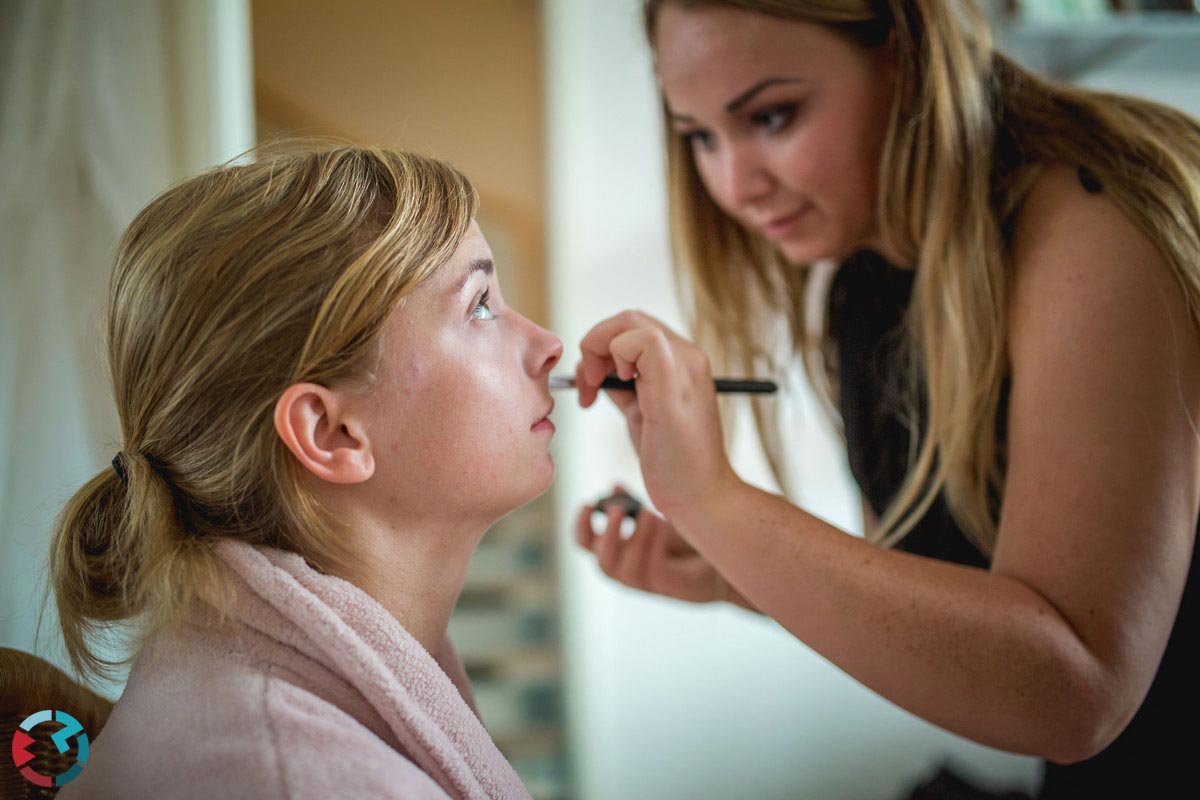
724,385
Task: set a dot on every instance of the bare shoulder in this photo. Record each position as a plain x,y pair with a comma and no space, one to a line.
1098,320
1061,223
1080,260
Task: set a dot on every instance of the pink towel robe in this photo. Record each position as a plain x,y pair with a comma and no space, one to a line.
321,694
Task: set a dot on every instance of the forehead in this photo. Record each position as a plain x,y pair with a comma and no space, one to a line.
717,48
447,278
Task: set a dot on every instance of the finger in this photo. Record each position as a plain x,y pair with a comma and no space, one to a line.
661,372
608,548
596,359
586,392
594,346
626,370
625,401
635,561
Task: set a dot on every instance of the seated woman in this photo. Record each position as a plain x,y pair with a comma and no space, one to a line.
324,404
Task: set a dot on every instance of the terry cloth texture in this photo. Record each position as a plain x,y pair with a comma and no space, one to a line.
318,692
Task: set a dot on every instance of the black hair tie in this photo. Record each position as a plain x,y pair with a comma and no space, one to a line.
118,465
1091,184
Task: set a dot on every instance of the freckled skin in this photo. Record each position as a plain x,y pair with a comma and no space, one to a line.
450,417
1052,650
826,159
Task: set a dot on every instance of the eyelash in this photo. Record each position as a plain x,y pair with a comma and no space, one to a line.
482,302
785,111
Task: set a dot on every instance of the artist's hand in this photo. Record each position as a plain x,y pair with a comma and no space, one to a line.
672,417
654,559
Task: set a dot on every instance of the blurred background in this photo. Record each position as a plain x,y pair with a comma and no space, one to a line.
591,690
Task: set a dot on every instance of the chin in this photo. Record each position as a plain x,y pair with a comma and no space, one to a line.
541,477
809,252
546,477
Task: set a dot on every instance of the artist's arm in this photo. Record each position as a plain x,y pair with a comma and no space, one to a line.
1052,650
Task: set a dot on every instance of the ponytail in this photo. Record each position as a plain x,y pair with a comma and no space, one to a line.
119,553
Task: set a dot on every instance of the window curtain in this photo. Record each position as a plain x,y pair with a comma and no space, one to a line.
104,104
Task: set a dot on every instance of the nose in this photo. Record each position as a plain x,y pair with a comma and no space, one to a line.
743,177
544,351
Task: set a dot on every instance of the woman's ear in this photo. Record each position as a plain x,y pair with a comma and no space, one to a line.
314,423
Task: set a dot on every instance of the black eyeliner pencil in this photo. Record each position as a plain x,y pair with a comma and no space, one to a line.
723,385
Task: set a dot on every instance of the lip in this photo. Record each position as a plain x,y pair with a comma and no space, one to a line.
783,225
544,423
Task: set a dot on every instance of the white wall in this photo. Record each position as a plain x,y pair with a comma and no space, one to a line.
669,700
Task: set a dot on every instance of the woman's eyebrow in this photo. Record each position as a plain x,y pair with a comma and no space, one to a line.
745,97
748,95
483,265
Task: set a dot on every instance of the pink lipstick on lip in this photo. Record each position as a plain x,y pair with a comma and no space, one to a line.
785,223
544,423
781,226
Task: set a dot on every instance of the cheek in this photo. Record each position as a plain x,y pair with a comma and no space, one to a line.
478,427
414,376
412,384
462,394
418,392
842,167
872,122
812,162
468,401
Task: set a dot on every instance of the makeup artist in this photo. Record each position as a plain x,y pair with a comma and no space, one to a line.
1018,275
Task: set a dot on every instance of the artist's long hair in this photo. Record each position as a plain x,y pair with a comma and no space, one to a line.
968,132
227,289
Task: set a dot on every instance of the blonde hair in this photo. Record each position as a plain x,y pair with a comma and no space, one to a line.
228,288
968,133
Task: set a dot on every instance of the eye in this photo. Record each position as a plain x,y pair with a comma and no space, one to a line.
482,311
698,139
776,118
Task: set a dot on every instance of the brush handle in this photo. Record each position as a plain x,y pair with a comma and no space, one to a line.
724,385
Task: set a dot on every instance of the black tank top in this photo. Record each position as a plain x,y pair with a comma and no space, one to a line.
867,303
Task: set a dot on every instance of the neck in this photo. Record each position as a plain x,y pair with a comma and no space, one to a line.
415,569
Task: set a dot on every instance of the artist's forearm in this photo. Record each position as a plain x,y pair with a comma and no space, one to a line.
979,654
738,599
